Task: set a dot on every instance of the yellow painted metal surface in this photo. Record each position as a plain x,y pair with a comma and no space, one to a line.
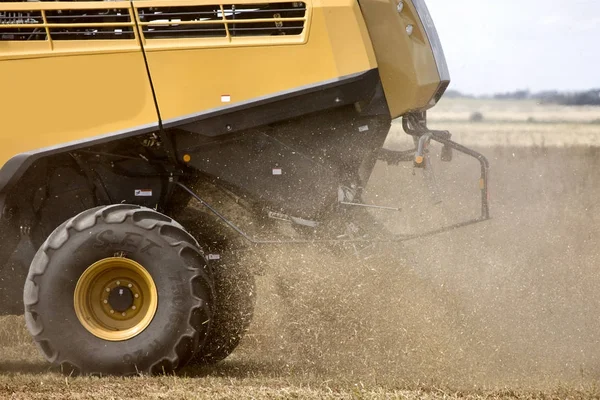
406,63
92,299
56,92
220,72
59,99
62,91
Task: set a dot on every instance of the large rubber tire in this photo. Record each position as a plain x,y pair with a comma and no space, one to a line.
169,254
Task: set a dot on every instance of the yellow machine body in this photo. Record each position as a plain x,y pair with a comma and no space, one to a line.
60,93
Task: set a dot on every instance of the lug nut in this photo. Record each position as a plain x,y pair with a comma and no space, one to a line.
105,301
118,283
136,295
133,307
130,285
123,314
108,289
112,311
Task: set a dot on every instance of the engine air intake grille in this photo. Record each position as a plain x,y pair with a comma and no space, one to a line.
174,22
89,24
266,19
66,24
54,21
22,25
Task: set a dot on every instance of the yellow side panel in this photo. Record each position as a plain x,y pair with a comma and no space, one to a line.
195,75
53,100
406,64
350,43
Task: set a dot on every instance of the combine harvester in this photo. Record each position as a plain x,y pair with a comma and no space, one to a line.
125,121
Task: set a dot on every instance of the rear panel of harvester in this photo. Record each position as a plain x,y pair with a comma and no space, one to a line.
214,76
247,51
284,101
73,71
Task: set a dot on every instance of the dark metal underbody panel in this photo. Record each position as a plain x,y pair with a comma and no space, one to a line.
295,167
293,155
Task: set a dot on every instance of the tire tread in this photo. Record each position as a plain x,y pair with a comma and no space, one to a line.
116,214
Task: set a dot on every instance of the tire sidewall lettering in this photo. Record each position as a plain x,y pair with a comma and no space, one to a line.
131,242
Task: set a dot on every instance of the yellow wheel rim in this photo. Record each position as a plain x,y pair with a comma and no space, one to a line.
115,299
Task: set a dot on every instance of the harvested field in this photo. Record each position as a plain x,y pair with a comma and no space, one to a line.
505,309
513,111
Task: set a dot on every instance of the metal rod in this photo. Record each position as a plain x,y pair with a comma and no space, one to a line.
394,239
370,206
421,147
416,125
485,165
214,211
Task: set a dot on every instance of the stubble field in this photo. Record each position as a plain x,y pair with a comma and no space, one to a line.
509,308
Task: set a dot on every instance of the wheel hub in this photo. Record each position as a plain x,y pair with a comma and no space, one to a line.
115,299
120,298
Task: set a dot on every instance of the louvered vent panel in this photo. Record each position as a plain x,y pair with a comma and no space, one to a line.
89,24
184,22
163,22
66,24
265,19
22,25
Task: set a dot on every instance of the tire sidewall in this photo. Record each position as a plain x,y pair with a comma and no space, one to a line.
172,278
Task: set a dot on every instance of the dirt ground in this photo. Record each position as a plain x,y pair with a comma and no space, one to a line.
508,308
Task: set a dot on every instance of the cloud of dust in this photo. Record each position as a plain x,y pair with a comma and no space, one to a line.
512,301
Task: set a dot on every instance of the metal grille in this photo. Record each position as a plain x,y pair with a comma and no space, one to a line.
66,24
22,25
89,24
266,19
78,21
181,22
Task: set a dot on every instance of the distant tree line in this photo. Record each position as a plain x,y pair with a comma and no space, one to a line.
589,97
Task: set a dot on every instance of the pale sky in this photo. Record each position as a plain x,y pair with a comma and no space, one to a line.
503,45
